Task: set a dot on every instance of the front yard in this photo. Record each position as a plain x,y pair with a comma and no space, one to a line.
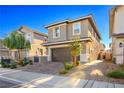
96,70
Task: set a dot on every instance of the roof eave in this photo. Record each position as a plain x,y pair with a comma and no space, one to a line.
66,42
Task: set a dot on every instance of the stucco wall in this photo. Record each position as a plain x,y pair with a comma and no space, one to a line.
118,28
35,46
84,27
62,33
119,21
66,31
118,51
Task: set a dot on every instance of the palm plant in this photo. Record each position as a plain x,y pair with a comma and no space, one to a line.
75,47
16,41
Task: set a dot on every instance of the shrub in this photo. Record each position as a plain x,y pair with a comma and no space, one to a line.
20,62
13,65
4,64
116,74
77,63
68,66
63,71
23,62
30,62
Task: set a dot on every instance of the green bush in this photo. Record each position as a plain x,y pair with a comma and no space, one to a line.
63,71
24,62
4,65
78,62
13,65
30,62
68,66
116,74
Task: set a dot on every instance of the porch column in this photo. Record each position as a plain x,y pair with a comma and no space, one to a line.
49,54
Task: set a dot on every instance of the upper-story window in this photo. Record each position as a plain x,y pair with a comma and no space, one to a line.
56,32
76,28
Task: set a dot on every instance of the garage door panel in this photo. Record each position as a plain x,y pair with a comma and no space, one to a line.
61,54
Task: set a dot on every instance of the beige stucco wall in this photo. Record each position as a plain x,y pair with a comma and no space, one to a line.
93,47
4,53
119,21
118,28
35,46
117,50
84,27
66,31
62,33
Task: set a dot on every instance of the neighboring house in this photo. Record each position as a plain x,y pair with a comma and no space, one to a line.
61,33
4,52
36,39
102,47
117,33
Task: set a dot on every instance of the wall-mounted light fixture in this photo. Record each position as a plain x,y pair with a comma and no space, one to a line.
120,45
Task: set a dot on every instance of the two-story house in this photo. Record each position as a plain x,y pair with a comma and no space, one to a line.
116,32
36,39
61,33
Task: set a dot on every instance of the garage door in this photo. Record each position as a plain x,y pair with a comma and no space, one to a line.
61,54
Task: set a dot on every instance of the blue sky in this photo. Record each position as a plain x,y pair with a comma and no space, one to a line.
36,17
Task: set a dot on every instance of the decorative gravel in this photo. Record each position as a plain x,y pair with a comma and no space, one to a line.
96,70
43,67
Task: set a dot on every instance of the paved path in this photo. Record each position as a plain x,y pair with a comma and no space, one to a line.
18,78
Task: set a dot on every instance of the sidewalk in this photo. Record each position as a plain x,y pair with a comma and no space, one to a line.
52,81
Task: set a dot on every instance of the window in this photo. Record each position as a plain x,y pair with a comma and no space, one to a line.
56,32
76,28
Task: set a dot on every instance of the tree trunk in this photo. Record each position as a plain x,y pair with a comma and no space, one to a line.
18,54
74,60
10,54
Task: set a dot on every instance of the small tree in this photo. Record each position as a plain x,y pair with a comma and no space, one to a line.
75,47
16,41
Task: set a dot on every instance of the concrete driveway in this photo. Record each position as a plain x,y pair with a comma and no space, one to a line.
18,78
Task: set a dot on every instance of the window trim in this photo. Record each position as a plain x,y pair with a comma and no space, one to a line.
79,28
54,33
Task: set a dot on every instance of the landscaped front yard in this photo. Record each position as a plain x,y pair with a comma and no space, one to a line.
96,70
